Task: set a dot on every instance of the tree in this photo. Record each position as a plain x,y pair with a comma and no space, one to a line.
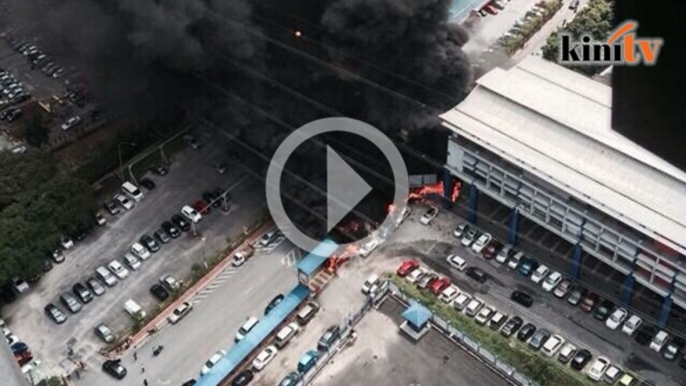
38,205
36,133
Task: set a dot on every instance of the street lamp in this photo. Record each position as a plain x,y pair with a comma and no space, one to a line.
121,163
204,261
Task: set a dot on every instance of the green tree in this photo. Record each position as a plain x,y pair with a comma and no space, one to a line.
36,133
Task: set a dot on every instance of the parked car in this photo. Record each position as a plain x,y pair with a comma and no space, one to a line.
616,319
462,300
106,276
612,374
581,359
563,289
180,312
114,368
57,315
538,340
527,267
159,170
100,219
70,302
476,274
181,222
474,306
140,251
131,261
82,292
118,270
522,298
330,336
504,254
202,207
191,214
159,292
469,237
406,267
497,321
449,294
526,332
171,283
491,250
150,243
172,230
481,242
603,310
598,368
511,326
95,286
514,260
553,345
567,352
105,333
484,315
147,183
415,275
19,285
589,301
645,334
273,303
632,324
437,286
264,357
57,256
292,379
123,201
674,349
576,295
308,361
659,341
429,215
162,236
460,229
214,359
71,122
552,281
457,262
112,207
243,378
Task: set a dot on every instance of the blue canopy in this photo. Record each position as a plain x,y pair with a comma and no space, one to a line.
417,315
317,257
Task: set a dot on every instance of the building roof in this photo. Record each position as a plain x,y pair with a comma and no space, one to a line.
241,350
317,257
10,373
555,123
460,9
417,315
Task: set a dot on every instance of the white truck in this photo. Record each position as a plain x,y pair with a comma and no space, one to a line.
240,257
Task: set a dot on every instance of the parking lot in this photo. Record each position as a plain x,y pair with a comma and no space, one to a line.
190,174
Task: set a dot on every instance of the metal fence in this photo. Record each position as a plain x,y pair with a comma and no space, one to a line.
470,345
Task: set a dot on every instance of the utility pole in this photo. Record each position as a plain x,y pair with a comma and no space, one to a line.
121,163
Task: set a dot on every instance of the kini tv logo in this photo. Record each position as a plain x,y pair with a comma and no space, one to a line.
623,47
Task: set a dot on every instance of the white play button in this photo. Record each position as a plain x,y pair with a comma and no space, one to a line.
344,188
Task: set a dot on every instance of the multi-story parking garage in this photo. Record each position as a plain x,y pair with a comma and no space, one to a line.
537,138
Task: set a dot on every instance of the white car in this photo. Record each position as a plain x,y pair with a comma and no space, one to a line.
616,319
457,262
212,361
180,312
66,243
462,300
540,273
551,281
171,283
484,315
191,214
367,248
404,215
504,253
632,324
71,122
429,215
553,345
131,261
514,261
469,237
481,242
474,306
123,201
449,294
598,368
118,270
459,230
139,250
659,341
263,358
413,276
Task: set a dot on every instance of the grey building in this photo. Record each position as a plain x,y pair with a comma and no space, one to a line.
10,373
537,138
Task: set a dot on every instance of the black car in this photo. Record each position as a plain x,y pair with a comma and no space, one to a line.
522,298
150,243
539,339
13,115
210,197
330,336
160,170
190,383
476,274
81,233
47,265
112,208
526,332
159,292
181,222
114,368
275,302
511,326
58,316
243,378
580,360
673,349
147,183
19,348
173,231
162,236
82,292
682,362
603,311
645,334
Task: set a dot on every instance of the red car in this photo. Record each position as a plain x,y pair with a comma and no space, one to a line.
488,8
491,250
589,301
406,267
202,207
439,285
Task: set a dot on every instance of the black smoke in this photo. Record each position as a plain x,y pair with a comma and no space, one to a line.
149,57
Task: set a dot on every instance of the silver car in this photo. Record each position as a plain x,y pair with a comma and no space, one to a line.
70,302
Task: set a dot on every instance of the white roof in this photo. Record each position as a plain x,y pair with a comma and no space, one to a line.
555,124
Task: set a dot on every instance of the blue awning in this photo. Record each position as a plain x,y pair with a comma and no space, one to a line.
460,9
317,257
417,315
255,337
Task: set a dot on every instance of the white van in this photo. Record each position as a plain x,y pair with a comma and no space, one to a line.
105,275
132,191
286,335
369,283
246,328
134,310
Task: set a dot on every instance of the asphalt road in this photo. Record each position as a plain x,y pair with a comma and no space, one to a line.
434,243
190,174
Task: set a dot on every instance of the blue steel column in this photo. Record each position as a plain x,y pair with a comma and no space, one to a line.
447,189
514,226
667,305
575,268
473,203
628,288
